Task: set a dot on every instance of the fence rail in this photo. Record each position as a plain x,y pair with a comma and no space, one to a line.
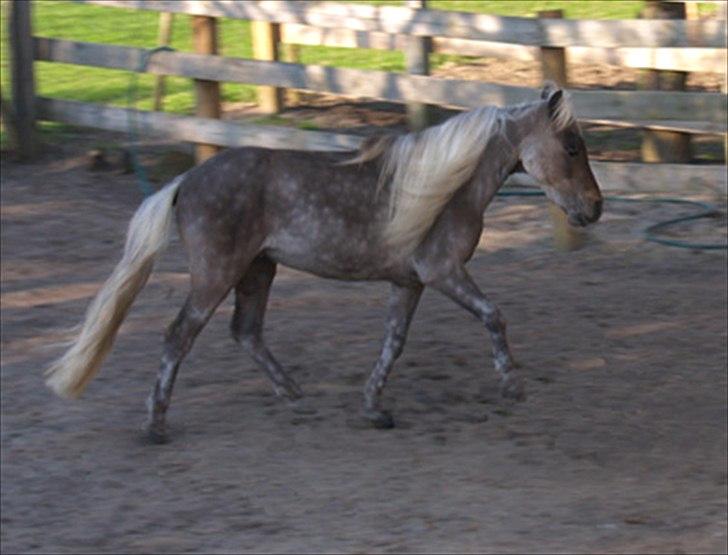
433,23
396,87
665,58
612,176
657,44
191,128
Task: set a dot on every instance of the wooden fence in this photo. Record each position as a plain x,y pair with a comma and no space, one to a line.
648,43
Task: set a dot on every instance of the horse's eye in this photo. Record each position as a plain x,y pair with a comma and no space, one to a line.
571,144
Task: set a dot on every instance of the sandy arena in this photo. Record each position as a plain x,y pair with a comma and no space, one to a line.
620,447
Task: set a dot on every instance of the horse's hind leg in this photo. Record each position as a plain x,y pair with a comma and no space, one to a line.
460,287
251,298
402,304
181,334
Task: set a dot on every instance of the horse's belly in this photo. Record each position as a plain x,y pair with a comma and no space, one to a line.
337,258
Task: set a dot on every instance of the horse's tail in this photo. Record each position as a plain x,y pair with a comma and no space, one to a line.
148,232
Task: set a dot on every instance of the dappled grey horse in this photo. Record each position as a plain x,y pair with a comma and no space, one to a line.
406,209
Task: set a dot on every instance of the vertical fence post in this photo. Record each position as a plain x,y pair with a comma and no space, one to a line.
265,47
553,67
292,54
23,81
165,35
204,30
692,10
722,11
417,62
664,146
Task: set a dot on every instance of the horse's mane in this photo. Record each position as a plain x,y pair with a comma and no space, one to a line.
425,168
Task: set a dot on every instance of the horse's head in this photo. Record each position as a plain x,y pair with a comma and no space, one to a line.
554,153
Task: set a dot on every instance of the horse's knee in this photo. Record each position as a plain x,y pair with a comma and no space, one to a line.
494,321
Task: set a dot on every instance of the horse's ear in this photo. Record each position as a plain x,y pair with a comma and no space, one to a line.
554,102
549,88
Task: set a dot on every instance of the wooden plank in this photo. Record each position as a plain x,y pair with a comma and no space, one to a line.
692,127
612,176
296,33
660,145
712,60
191,128
553,68
204,30
423,23
22,80
618,105
291,53
553,60
636,177
417,62
7,118
266,37
165,35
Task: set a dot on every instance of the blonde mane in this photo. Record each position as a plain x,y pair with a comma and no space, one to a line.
424,170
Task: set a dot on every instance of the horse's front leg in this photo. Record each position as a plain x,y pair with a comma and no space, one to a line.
461,288
402,304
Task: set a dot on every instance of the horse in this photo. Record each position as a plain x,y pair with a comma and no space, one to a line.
406,209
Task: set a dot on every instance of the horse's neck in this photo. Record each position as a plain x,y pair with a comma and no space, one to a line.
501,156
499,160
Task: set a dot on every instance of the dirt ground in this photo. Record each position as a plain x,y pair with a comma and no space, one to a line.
620,447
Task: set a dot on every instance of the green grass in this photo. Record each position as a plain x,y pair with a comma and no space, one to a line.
65,19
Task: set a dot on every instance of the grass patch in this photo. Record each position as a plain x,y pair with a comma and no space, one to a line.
285,122
51,132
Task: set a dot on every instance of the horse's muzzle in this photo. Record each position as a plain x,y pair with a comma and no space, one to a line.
583,219
596,211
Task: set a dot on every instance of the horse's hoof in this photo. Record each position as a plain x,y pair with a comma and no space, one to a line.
302,406
156,434
380,419
290,391
513,387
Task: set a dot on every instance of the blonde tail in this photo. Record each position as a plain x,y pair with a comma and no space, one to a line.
149,230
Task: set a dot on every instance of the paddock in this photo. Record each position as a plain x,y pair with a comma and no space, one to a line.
620,447
621,444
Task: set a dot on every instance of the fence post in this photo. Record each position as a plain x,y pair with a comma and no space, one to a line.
417,62
23,80
553,67
664,146
292,54
165,35
265,47
204,30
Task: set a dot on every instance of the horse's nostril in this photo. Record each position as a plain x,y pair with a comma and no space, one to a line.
597,210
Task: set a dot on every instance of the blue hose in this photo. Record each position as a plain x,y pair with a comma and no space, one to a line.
142,180
651,232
